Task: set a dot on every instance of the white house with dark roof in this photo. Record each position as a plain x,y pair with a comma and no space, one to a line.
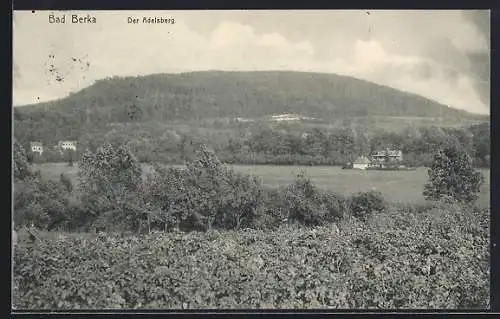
36,147
66,145
381,157
362,162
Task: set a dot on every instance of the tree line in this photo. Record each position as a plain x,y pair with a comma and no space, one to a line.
284,145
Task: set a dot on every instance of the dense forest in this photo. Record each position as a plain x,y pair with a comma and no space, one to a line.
165,117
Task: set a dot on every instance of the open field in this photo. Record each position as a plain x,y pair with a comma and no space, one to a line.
396,186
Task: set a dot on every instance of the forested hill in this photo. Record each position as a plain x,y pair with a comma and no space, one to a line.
214,94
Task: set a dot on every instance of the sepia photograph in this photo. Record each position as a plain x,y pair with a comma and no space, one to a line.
251,160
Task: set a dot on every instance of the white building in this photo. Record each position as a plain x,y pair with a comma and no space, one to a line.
361,162
67,145
289,117
244,120
381,157
36,147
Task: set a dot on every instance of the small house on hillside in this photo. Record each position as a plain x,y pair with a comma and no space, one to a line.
362,162
66,145
36,147
285,117
244,120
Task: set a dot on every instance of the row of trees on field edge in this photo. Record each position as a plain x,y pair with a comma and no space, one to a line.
285,145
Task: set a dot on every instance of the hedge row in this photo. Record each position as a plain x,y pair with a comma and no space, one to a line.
433,257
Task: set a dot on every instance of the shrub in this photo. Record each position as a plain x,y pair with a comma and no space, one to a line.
27,209
22,168
109,181
164,193
78,216
240,202
70,156
109,171
426,264
205,195
37,201
303,202
43,203
272,212
364,204
452,177
66,182
335,206
430,264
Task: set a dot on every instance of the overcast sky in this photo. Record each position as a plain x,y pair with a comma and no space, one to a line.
442,55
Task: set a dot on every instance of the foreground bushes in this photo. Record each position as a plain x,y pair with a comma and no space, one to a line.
306,205
363,205
114,194
205,195
434,258
43,203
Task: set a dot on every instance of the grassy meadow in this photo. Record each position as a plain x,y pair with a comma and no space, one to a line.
396,186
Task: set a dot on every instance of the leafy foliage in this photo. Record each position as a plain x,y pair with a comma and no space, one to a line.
22,170
436,258
109,182
431,256
307,205
336,206
66,181
71,156
364,204
206,194
453,177
481,144
302,201
37,201
43,203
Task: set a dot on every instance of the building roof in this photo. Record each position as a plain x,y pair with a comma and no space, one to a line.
362,160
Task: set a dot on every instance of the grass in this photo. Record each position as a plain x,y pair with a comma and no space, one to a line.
396,186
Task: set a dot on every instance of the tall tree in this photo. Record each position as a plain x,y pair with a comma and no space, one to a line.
452,176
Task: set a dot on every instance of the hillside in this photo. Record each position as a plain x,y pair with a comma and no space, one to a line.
201,95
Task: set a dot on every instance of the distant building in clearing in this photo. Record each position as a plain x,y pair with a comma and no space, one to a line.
285,117
66,145
36,147
391,156
242,119
362,162
289,117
